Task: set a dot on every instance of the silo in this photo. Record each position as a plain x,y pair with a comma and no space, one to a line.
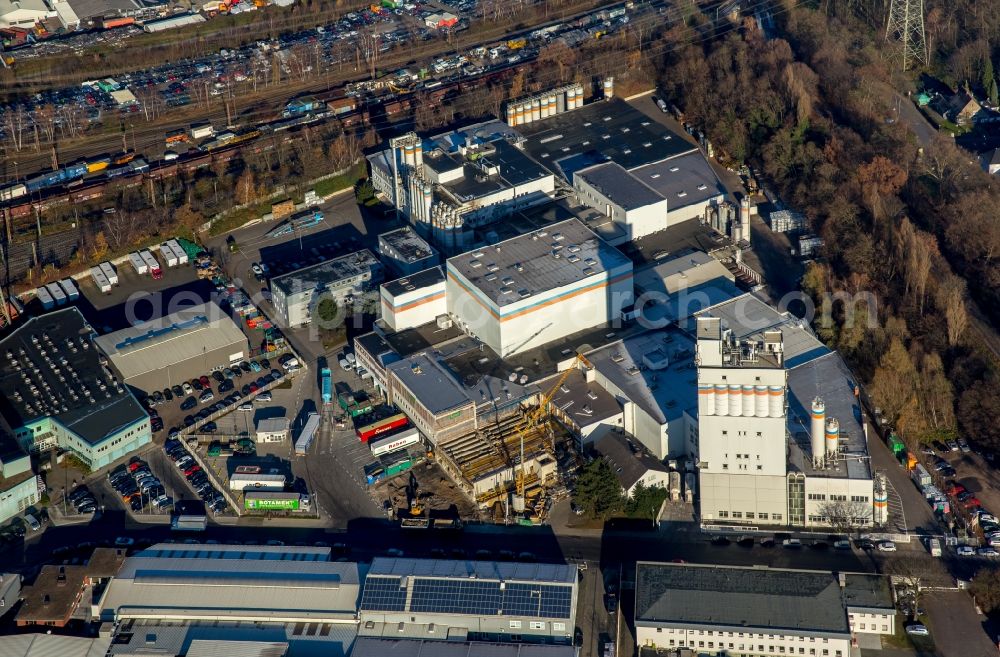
536,109
526,112
760,392
561,105
552,105
408,157
776,401
511,116
721,399
571,98
609,88
706,399
816,433
518,114
735,400
748,405
418,154
832,438
880,510
428,195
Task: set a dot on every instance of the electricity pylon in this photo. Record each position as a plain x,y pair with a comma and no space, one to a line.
906,25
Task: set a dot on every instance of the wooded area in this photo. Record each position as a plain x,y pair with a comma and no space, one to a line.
916,229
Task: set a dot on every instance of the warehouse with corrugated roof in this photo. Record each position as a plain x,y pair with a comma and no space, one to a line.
175,348
233,583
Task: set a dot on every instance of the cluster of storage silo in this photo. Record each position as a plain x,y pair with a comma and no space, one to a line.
824,435
741,400
544,105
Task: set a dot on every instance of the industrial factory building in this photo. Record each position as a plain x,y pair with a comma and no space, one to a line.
449,184
779,435
57,392
413,300
296,294
233,583
405,252
177,347
443,600
710,609
641,175
538,287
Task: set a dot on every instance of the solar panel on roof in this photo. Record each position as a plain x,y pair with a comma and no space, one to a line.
384,594
539,600
456,597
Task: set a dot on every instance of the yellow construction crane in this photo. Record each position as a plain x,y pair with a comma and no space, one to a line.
532,418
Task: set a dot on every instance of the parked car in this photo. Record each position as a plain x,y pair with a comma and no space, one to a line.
965,551
963,445
189,403
988,552
208,395
952,445
886,546
917,629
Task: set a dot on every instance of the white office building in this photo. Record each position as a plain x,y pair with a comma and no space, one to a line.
750,611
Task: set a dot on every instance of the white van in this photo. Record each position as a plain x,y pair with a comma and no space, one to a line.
32,522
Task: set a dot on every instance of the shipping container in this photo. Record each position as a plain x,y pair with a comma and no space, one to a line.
57,294
350,404
152,263
189,523
45,298
307,435
275,482
920,476
100,280
110,23
13,192
895,444
395,442
138,263
179,252
367,430
100,164
69,287
271,501
109,271
327,385
168,255
200,131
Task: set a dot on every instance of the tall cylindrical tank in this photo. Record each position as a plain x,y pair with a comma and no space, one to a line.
706,399
536,110
579,96
571,99
675,486
408,157
817,429
735,400
609,87
760,393
776,401
690,483
428,200
832,438
518,114
880,508
721,400
511,116
552,105
748,401
418,154
526,108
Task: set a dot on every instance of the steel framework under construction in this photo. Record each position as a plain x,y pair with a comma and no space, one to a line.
514,455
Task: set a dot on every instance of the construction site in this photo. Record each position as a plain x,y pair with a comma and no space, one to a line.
509,470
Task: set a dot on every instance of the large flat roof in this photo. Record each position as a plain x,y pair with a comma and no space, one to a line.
683,284
600,131
611,180
663,394
826,377
750,598
429,379
413,282
537,262
215,586
748,316
47,645
327,272
478,588
174,338
868,591
379,647
408,246
35,385
232,639
683,180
